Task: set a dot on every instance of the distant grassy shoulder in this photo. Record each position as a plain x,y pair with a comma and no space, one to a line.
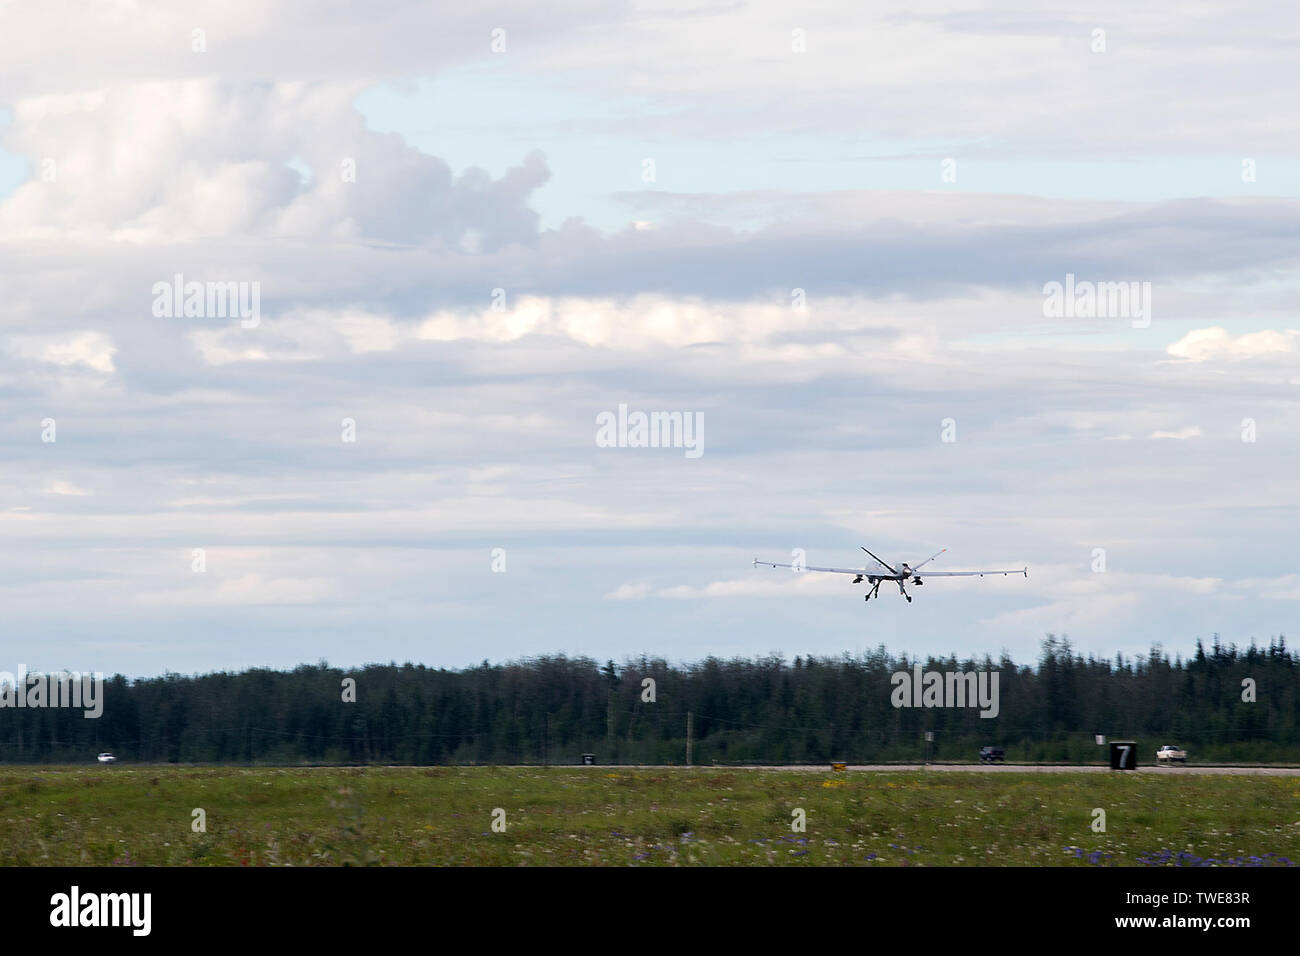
121,815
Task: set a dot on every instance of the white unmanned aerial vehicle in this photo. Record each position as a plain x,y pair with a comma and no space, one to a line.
901,574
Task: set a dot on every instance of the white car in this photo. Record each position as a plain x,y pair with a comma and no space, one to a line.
106,758
1169,754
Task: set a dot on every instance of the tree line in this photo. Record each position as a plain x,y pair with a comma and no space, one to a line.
1221,704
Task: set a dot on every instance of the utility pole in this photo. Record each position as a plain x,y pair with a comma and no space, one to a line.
690,726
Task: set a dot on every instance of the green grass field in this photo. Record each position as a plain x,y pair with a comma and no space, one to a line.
619,817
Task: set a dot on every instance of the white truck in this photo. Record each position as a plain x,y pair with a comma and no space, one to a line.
1171,754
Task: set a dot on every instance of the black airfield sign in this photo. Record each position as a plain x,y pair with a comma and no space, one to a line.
1123,755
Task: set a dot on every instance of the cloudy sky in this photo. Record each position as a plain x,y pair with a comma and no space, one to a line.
471,229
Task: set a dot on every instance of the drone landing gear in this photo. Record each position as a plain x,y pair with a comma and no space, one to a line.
872,592
904,593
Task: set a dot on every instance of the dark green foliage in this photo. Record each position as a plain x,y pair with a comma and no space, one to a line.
764,711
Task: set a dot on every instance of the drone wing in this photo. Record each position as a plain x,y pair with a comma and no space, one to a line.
809,567
970,574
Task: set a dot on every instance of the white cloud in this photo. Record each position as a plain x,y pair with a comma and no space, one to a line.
300,335
938,70
1285,587
94,350
1202,345
197,159
760,585
248,589
629,592
57,486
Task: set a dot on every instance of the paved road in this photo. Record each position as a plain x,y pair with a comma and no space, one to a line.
808,768
989,768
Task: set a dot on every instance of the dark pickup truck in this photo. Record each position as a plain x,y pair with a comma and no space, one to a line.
990,754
